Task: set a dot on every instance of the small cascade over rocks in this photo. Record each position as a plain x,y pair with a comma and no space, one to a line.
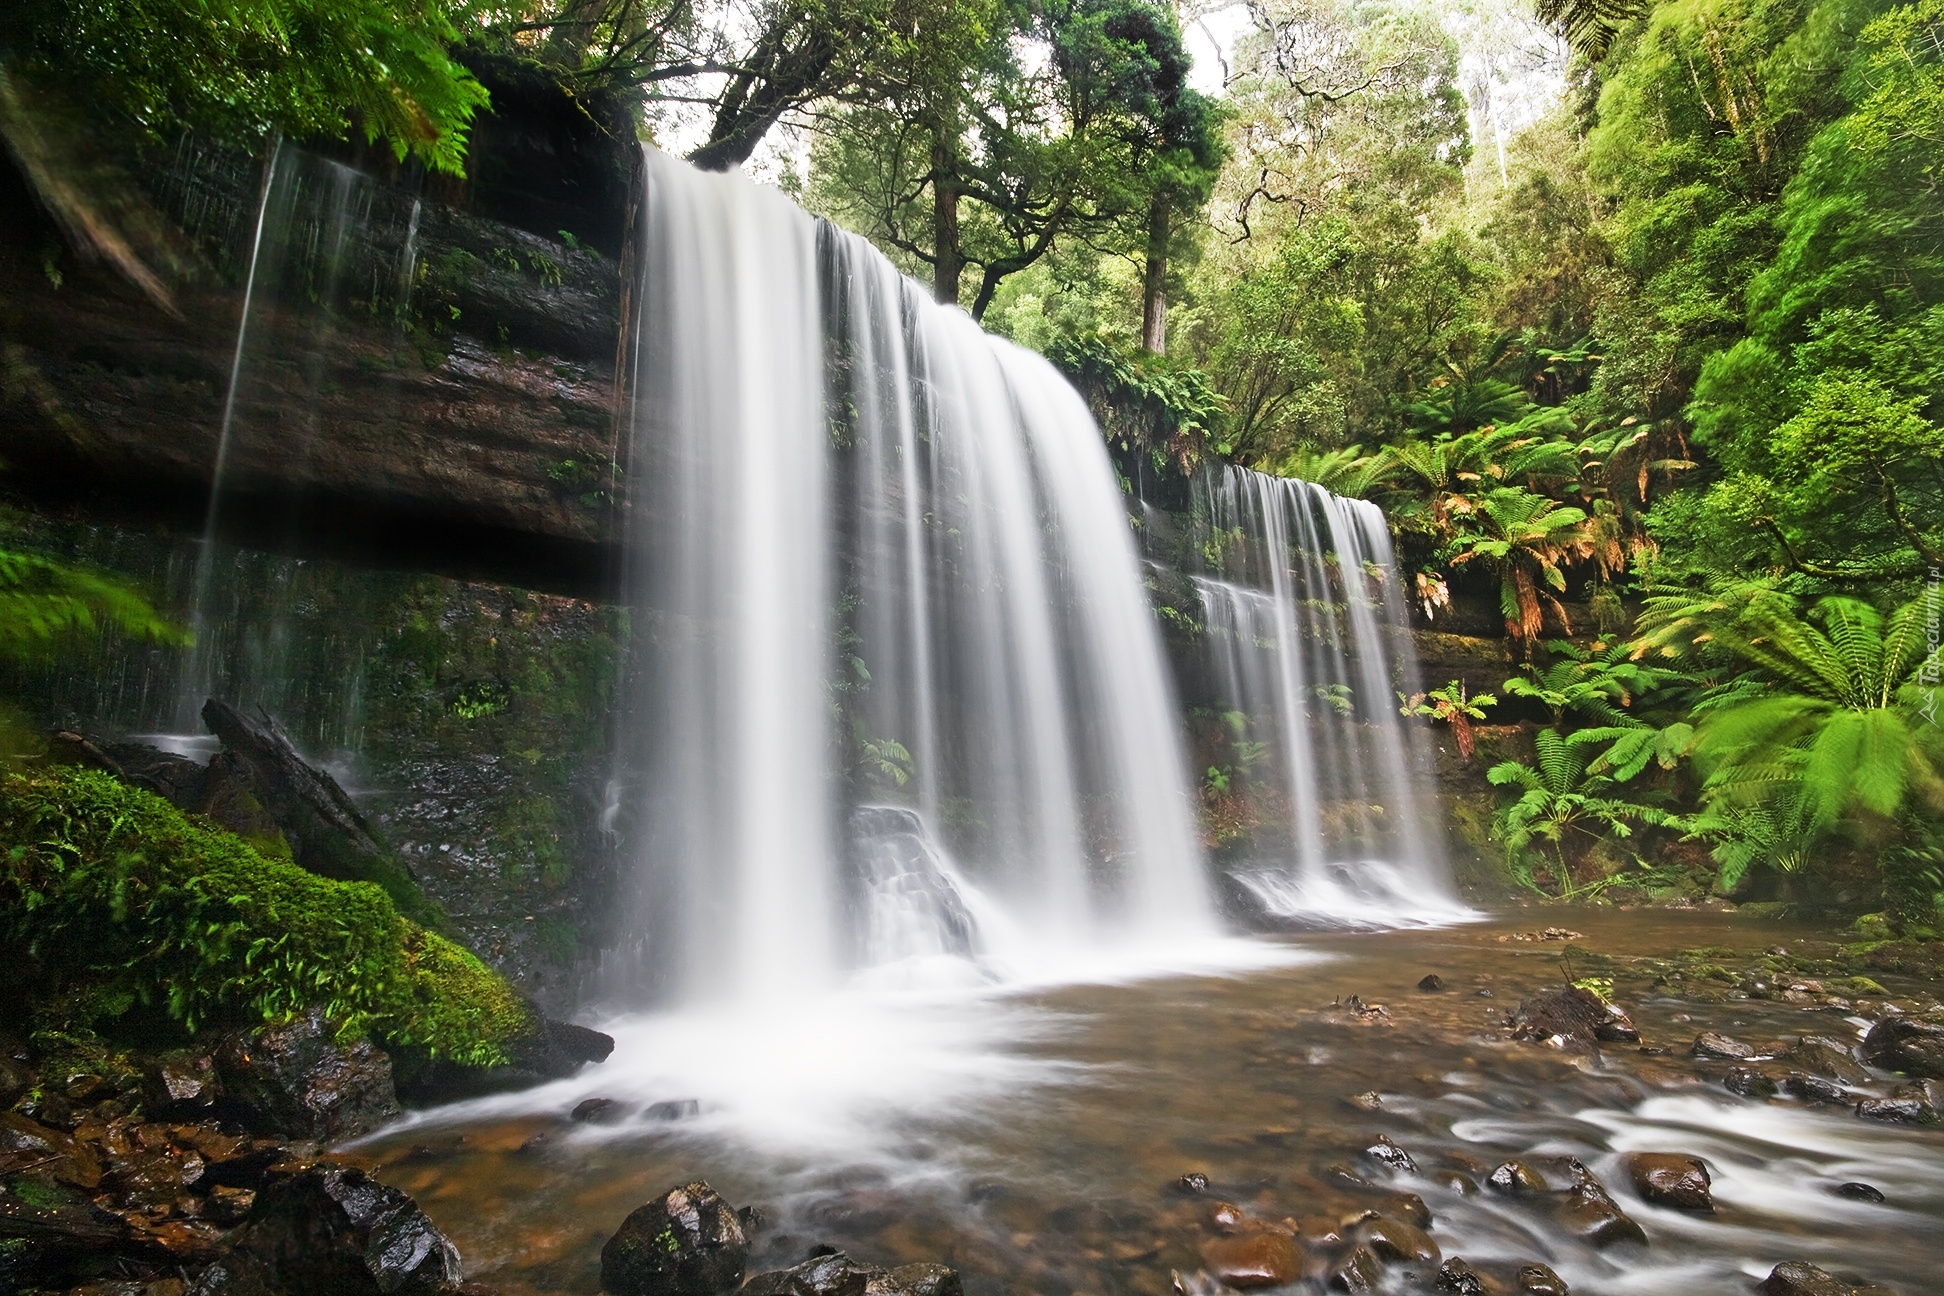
1309,649
879,557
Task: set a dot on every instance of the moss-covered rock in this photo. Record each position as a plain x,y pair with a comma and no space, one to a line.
126,908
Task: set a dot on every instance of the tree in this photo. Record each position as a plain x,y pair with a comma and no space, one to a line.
968,155
244,68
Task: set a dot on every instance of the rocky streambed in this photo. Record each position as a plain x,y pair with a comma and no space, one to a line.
1557,1100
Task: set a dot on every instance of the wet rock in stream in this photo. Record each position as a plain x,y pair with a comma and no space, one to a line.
1256,1259
1901,1044
1718,1047
1589,1213
333,1229
1800,1278
1671,1179
296,1080
687,1242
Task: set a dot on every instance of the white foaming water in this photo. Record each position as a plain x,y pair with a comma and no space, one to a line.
1350,893
901,701
1309,642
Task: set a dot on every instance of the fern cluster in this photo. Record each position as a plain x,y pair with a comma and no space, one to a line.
124,901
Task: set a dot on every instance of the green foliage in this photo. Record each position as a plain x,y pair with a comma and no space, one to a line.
246,68
1451,705
43,602
124,901
1560,805
1146,402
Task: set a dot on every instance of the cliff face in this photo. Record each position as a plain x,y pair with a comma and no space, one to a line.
418,374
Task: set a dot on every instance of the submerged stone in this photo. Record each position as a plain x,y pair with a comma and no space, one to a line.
1711,1044
1259,1259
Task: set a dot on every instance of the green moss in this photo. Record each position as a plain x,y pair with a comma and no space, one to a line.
124,900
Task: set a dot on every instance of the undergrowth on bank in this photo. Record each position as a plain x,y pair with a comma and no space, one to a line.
127,906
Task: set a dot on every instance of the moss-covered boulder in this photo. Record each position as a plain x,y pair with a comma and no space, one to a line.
118,911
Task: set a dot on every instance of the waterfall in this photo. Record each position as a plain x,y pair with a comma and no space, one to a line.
1309,652
895,661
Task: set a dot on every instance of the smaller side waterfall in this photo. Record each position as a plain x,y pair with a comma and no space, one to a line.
1309,653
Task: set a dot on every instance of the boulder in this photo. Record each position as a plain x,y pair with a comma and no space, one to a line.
1897,1111
1819,1056
687,1242
1432,982
1259,1259
1856,1191
1671,1179
546,1050
1409,1207
831,1274
16,1080
1800,1278
1458,1278
181,1081
1712,1045
1900,1044
596,1111
915,1280
298,1081
337,1230
1590,1214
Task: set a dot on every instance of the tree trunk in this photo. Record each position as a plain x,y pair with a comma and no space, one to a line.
1154,283
949,263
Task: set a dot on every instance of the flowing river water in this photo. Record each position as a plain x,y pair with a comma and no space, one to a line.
1036,1136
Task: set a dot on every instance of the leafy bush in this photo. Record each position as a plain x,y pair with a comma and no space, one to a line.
123,900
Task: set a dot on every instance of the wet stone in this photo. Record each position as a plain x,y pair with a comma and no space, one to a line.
1410,1208
1539,1280
677,1109
181,1078
1589,1213
1390,1156
916,1280
1516,1178
1393,1239
1710,1044
687,1242
1857,1191
1671,1179
1900,1044
1814,1089
1370,1100
831,1273
1897,1111
1800,1278
1458,1278
1823,1057
1749,1083
1431,983
1259,1259
1227,1217
595,1111
1358,1270
1192,1182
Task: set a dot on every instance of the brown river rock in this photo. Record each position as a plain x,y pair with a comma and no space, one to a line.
1260,1259
1671,1179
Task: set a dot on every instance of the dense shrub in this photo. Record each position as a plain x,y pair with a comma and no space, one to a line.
123,901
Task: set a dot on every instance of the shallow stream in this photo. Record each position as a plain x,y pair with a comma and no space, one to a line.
1035,1137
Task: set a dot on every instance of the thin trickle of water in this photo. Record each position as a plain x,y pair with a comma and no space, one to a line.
1309,647
880,559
